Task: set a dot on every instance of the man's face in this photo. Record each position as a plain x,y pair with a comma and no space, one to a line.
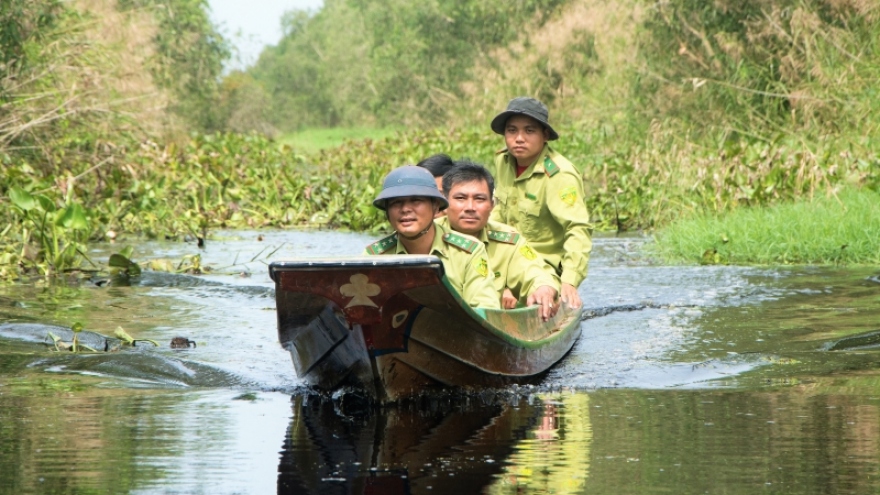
411,215
525,138
469,206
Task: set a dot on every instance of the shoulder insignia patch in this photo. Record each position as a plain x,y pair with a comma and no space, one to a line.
482,266
550,168
383,245
527,252
501,236
568,195
460,242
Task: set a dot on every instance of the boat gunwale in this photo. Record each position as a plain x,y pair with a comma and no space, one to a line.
408,261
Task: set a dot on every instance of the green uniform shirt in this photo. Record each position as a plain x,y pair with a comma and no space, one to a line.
546,205
464,259
517,266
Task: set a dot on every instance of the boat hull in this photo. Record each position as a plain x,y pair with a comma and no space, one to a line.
393,327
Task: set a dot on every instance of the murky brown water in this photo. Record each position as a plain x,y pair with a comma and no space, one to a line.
692,380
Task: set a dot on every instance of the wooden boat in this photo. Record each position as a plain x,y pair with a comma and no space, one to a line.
395,328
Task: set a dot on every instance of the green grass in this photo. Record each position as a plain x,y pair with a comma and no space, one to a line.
316,139
841,229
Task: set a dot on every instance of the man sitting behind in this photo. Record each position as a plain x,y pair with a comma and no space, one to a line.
410,199
438,165
541,193
519,271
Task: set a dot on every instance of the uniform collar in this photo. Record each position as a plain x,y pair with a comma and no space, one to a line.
438,247
483,236
537,167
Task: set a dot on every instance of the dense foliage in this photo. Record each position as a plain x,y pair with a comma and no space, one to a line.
762,68
23,22
188,59
78,79
81,83
725,70
365,61
37,65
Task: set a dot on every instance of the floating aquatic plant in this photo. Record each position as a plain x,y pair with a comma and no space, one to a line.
127,339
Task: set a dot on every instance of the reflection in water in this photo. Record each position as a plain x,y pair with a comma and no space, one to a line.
614,441
793,441
537,446
64,439
800,440
442,448
554,457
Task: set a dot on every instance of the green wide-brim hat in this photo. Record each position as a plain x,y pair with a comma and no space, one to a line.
529,107
409,181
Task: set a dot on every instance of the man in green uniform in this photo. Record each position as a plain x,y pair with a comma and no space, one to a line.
520,276
410,199
541,193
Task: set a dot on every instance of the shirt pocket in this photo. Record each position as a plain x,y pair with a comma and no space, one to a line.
530,219
501,210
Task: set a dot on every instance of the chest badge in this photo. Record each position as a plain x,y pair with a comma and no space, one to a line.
568,195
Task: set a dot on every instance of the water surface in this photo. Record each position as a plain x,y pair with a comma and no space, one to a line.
685,380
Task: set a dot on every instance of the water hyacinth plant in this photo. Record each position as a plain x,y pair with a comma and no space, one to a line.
52,238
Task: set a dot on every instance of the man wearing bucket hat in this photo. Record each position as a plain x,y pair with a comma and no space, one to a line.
540,193
410,199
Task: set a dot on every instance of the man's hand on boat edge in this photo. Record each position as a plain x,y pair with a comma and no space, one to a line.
570,296
544,296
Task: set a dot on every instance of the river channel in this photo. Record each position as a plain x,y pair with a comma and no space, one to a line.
699,379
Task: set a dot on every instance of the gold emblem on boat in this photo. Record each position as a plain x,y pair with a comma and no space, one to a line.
359,290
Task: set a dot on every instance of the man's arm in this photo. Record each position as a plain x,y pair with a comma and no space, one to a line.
565,200
526,274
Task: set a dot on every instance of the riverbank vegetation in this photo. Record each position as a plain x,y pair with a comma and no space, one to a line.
840,229
115,122
315,139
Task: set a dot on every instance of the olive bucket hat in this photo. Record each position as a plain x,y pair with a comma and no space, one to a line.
409,181
529,107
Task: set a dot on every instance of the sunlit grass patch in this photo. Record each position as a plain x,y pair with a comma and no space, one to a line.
839,229
316,139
